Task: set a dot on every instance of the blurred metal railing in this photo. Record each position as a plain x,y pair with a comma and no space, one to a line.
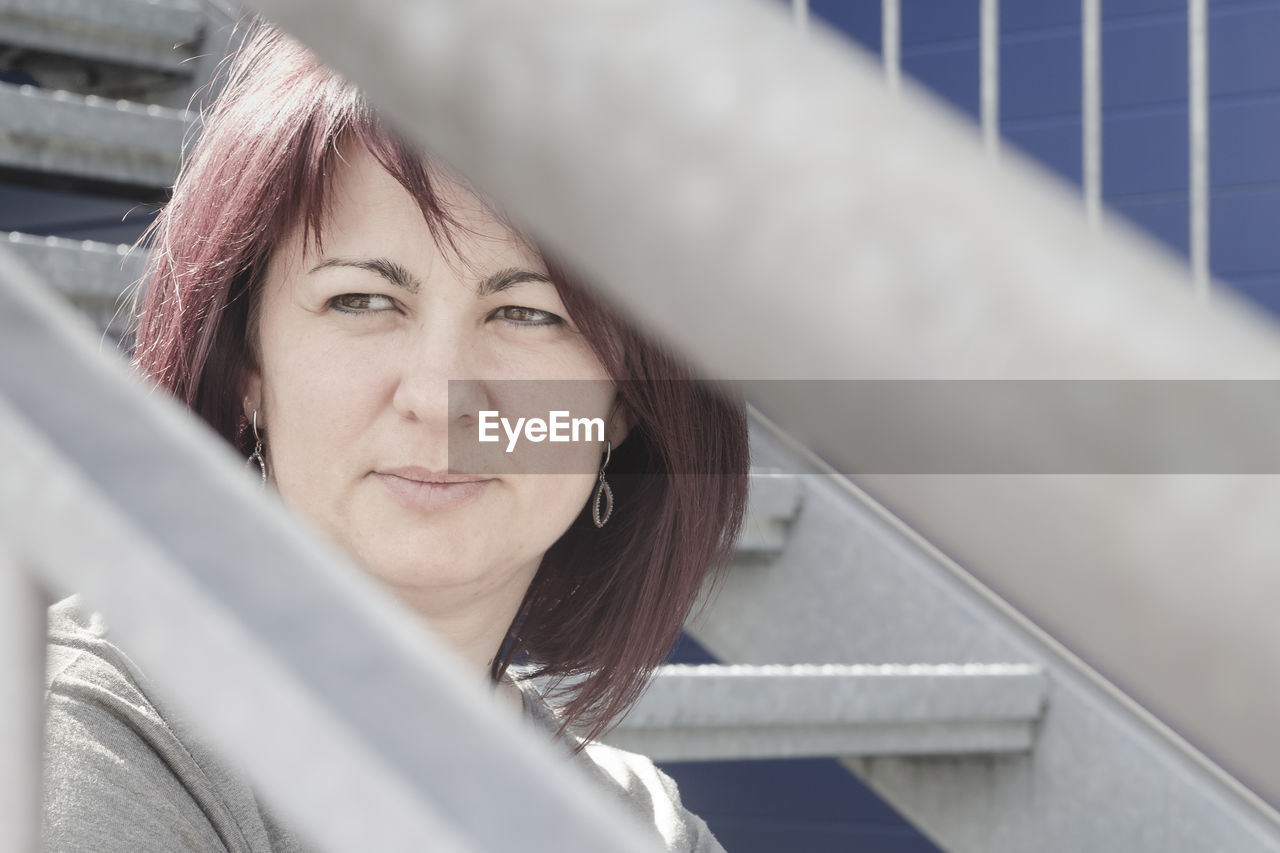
711,131
22,629
784,182
351,719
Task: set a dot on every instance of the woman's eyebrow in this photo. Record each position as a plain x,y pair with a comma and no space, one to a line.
385,267
503,279
398,275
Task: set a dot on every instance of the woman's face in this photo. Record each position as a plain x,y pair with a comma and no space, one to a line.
355,349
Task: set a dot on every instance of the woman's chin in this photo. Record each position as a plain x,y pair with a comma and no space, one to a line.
422,567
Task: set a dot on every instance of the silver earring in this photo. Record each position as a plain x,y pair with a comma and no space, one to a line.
604,494
257,456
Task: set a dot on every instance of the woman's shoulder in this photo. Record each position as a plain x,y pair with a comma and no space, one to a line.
634,780
82,663
123,774
120,773
653,794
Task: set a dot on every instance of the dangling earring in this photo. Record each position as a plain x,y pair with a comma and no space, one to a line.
257,456
604,494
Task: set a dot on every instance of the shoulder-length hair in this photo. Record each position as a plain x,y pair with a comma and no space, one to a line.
606,604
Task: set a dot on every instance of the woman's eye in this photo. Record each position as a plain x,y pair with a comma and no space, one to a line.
358,303
521,316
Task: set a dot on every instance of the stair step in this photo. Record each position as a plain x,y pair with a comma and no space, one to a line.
92,276
138,33
772,506
115,143
714,712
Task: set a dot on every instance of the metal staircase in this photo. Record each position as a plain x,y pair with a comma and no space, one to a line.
94,98
1027,749
96,278
115,48
845,634
96,92
848,636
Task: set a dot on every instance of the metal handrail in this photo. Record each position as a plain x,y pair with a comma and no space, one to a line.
352,719
866,236
493,84
22,617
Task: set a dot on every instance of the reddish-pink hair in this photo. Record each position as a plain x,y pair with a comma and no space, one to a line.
606,604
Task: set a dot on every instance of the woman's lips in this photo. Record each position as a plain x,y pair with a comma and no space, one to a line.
426,491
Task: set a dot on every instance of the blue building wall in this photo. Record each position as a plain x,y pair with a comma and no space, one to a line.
1144,92
72,215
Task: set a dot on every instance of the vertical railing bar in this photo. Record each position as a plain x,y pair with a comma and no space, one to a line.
1091,108
990,76
1198,64
800,15
891,42
22,632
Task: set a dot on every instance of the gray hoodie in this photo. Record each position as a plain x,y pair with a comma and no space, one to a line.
123,775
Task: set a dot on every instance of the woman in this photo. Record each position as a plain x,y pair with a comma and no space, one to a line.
313,286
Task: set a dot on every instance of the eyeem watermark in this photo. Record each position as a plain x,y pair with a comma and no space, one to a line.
558,427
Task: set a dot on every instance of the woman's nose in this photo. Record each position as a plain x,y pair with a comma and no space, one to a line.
426,365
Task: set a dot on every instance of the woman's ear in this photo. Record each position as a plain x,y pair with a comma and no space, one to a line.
620,423
251,394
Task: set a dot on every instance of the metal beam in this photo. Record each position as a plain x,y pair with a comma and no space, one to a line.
1198,132
92,138
281,653
1091,107
891,42
702,713
989,75
725,148
22,630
